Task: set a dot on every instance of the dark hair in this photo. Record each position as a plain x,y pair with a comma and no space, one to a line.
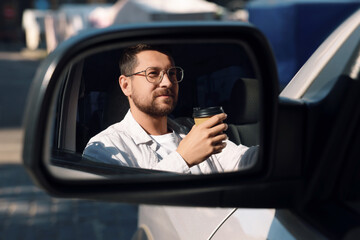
128,60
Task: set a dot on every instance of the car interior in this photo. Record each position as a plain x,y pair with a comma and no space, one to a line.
215,74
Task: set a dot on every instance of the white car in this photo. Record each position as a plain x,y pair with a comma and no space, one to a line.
305,183
242,223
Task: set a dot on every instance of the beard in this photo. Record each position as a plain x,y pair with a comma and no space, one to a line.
155,108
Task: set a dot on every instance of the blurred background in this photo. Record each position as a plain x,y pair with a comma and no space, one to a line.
45,23
295,28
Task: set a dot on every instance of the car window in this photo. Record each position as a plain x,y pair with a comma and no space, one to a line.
215,74
210,73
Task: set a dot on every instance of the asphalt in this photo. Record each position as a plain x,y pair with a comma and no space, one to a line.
26,211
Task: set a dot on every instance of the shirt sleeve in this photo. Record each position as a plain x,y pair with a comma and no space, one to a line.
100,152
173,162
235,157
104,150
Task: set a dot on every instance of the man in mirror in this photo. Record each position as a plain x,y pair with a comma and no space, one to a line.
147,138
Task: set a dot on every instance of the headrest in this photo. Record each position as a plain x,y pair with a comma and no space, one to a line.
245,101
116,105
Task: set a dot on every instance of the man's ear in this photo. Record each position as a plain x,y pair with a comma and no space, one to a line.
125,85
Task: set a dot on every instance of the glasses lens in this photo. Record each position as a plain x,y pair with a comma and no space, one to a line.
175,74
153,74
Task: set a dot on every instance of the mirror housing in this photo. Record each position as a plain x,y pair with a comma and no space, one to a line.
245,189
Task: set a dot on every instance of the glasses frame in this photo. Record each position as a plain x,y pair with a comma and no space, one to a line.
161,76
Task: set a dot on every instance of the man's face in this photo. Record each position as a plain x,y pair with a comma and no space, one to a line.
156,100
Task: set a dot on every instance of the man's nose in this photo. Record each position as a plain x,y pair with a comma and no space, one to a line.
165,81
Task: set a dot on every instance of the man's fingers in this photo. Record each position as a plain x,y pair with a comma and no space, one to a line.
204,140
219,139
219,148
214,120
218,129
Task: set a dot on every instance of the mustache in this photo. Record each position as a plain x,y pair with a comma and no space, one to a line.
161,92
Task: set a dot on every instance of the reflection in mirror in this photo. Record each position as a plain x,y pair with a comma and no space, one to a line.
95,132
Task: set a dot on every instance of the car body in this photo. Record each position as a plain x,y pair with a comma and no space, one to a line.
312,182
185,222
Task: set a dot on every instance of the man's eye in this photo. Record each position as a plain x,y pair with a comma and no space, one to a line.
172,73
153,74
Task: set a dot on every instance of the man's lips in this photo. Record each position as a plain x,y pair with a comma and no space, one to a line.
165,95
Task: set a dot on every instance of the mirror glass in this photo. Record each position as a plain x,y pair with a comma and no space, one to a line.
90,100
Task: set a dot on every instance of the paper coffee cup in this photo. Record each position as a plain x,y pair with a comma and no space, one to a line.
200,115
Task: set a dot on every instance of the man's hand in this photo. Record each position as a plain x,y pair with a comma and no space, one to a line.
204,140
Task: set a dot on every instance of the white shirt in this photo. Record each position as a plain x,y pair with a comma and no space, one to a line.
127,144
167,141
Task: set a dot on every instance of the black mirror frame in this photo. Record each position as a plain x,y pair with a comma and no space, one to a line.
188,190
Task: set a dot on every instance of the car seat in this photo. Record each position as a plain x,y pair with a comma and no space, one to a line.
243,112
116,106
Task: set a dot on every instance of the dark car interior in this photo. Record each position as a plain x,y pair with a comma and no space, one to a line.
214,75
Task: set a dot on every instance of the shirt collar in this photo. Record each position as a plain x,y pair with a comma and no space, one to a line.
136,131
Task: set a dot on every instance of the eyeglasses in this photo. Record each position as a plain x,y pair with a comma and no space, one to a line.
155,75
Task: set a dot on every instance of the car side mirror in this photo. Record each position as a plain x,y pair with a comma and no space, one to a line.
68,93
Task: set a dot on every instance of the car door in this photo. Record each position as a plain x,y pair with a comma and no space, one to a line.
200,223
